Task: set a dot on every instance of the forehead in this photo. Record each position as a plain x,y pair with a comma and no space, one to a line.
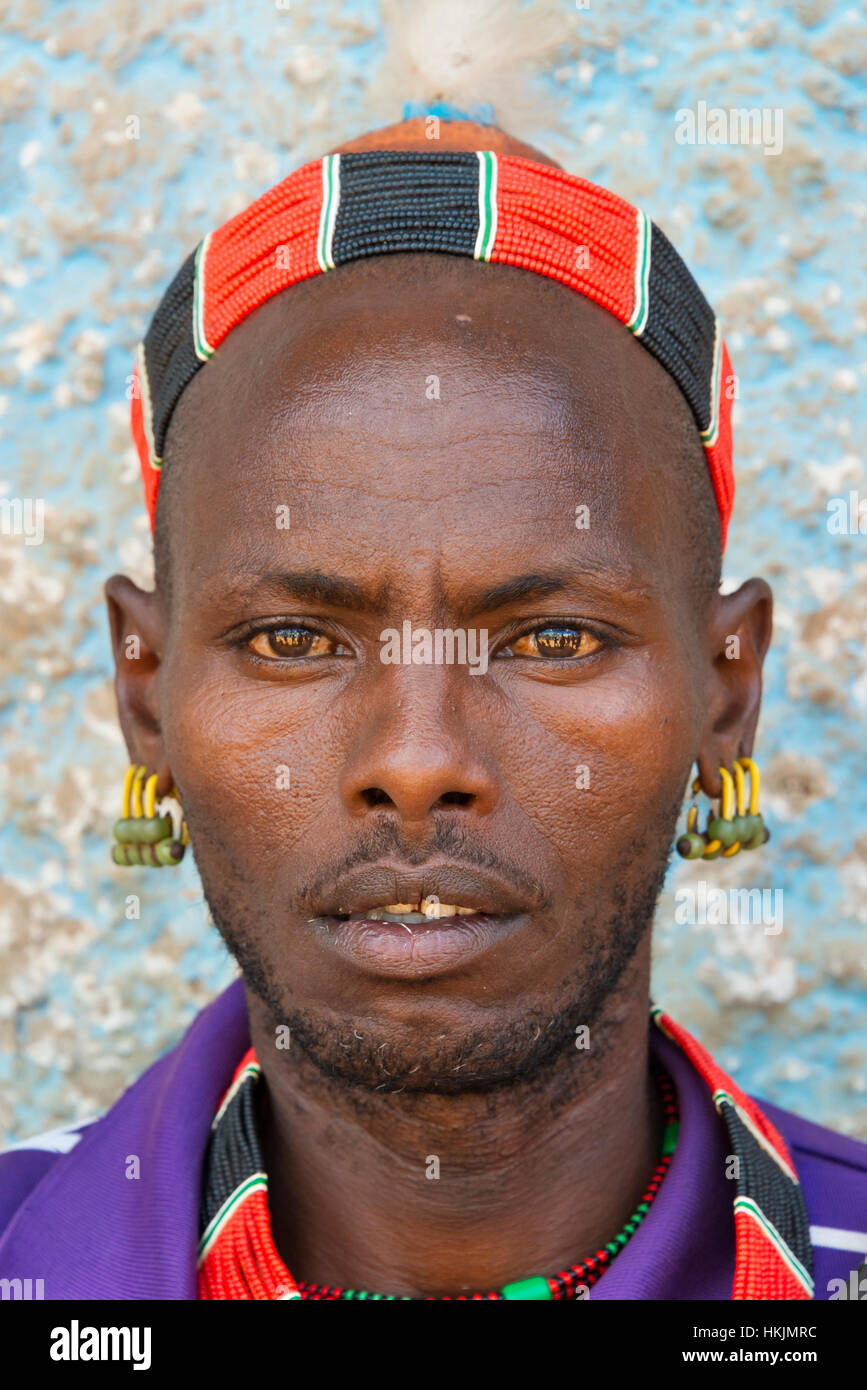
406,408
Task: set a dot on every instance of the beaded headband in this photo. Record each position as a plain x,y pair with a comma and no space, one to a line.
498,208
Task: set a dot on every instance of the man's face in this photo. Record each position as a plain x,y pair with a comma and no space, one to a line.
447,447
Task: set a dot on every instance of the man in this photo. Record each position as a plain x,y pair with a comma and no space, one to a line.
435,643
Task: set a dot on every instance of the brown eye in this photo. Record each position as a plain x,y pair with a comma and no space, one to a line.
288,642
556,643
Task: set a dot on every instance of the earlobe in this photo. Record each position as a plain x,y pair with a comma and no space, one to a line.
136,626
739,634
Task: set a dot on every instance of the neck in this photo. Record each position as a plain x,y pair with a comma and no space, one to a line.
426,1194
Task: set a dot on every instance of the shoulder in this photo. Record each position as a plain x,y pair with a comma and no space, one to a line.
23,1165
832,1169
818,1147
176,1093
108,1208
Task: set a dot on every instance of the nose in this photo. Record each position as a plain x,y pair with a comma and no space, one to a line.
421,748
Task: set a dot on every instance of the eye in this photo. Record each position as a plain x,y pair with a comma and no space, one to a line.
556,642
288,643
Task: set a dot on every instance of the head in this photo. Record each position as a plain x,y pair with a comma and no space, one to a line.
422,440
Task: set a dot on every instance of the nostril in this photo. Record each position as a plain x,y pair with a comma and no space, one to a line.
456,798
375,796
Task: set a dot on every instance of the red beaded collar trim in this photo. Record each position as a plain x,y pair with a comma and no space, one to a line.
773,1257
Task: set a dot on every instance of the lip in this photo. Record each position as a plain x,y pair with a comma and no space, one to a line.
420,950
372,886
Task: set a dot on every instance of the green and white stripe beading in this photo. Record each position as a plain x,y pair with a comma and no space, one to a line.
487,233
252,1069
641,304
753,1210
709,436
144,387
203,347
257,1182
721,1098
330,208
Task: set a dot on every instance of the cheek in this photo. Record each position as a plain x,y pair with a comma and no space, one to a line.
582,772
254,761
608,759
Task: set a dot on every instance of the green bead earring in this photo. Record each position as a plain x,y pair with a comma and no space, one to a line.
692,844
734,827
149,833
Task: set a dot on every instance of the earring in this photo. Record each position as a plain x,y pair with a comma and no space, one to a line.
734,827
149,832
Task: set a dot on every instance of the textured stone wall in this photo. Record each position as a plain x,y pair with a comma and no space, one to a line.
129,131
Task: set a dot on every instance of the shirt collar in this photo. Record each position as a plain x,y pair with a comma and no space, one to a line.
92,1232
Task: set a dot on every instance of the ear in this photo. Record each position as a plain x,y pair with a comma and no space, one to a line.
738,636
137,639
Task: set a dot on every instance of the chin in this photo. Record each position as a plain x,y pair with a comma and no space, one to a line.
440,1049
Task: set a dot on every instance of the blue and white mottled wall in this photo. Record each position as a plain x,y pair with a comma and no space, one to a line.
229,97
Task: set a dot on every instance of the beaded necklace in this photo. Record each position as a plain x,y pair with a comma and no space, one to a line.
237,1255
773,1251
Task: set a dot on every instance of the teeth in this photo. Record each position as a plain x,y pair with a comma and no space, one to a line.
408,919
412,913
432,907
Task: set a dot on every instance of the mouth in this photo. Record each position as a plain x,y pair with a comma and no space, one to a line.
407,923
429,909
415,942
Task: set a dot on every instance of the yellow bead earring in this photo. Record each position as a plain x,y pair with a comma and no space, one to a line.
734,827
150,832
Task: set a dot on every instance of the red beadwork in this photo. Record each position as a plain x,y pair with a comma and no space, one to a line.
543,216
243,1262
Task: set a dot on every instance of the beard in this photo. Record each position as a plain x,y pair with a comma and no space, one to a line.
516,1045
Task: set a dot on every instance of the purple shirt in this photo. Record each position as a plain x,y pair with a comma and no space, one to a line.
71,1217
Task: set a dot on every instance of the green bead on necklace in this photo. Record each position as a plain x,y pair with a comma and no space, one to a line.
567,1283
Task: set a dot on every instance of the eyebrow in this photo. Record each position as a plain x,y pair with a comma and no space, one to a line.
315,586
541,584
339,592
